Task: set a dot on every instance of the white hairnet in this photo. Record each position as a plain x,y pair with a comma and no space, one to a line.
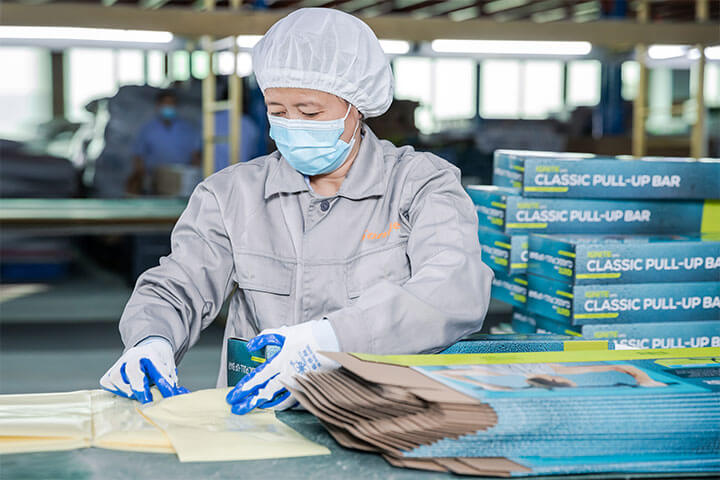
327,50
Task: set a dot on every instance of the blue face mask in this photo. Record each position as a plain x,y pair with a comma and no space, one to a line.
168,113
312,147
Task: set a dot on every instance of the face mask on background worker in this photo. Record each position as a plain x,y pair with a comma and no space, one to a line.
312,147
168,112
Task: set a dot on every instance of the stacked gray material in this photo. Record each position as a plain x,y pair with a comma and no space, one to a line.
24,174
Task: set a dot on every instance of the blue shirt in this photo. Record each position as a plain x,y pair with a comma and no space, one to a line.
175,143
248,143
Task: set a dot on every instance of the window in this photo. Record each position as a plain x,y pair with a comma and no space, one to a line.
500,89
542,89
89,74
583,83
25,95
156,68
630,79
223,63
445,89
454,89
712,84
660,119
528,89
130,67
179,65
199,64
413,79
244,64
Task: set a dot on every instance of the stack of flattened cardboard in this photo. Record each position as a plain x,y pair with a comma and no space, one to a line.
527,413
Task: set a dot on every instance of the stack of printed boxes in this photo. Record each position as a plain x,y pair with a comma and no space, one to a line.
605,247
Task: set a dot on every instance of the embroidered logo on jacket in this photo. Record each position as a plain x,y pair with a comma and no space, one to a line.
376,236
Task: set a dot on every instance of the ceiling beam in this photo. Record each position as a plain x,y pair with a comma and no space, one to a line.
312,3
411,6
402,5
496,6
526,11
465,13
152,4
354,6
186,22
319,3
443,8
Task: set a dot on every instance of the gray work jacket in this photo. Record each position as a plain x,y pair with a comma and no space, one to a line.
392,260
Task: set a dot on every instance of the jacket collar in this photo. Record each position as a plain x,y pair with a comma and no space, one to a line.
366,177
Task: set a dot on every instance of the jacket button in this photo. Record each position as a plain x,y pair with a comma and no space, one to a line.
324,205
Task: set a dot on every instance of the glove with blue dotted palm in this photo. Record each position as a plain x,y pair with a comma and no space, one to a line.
298,354
149,362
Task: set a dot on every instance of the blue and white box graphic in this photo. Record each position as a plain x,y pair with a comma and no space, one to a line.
522,322
607,259
510,289
504,210
504,253
548,325
623,303
552,174
509,165
657,335
507,170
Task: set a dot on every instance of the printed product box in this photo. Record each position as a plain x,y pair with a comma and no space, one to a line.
544,325
241,362
631,335
657,335
522,323
504,253
507,171
509,165
513,343
606,259
502,209
510,289
548,174
623,303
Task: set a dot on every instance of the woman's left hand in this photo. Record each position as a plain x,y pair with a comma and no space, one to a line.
298,354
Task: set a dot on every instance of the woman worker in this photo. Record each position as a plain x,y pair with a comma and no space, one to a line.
338,241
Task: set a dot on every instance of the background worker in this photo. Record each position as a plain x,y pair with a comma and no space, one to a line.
290,231
167,139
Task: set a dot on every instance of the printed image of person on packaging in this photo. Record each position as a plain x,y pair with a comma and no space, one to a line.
550,376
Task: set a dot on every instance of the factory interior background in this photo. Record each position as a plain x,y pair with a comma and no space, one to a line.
86,87
73,101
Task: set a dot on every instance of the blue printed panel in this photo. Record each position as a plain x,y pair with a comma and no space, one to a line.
667,178
605,259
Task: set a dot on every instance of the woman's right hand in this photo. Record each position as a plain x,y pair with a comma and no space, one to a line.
149,362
